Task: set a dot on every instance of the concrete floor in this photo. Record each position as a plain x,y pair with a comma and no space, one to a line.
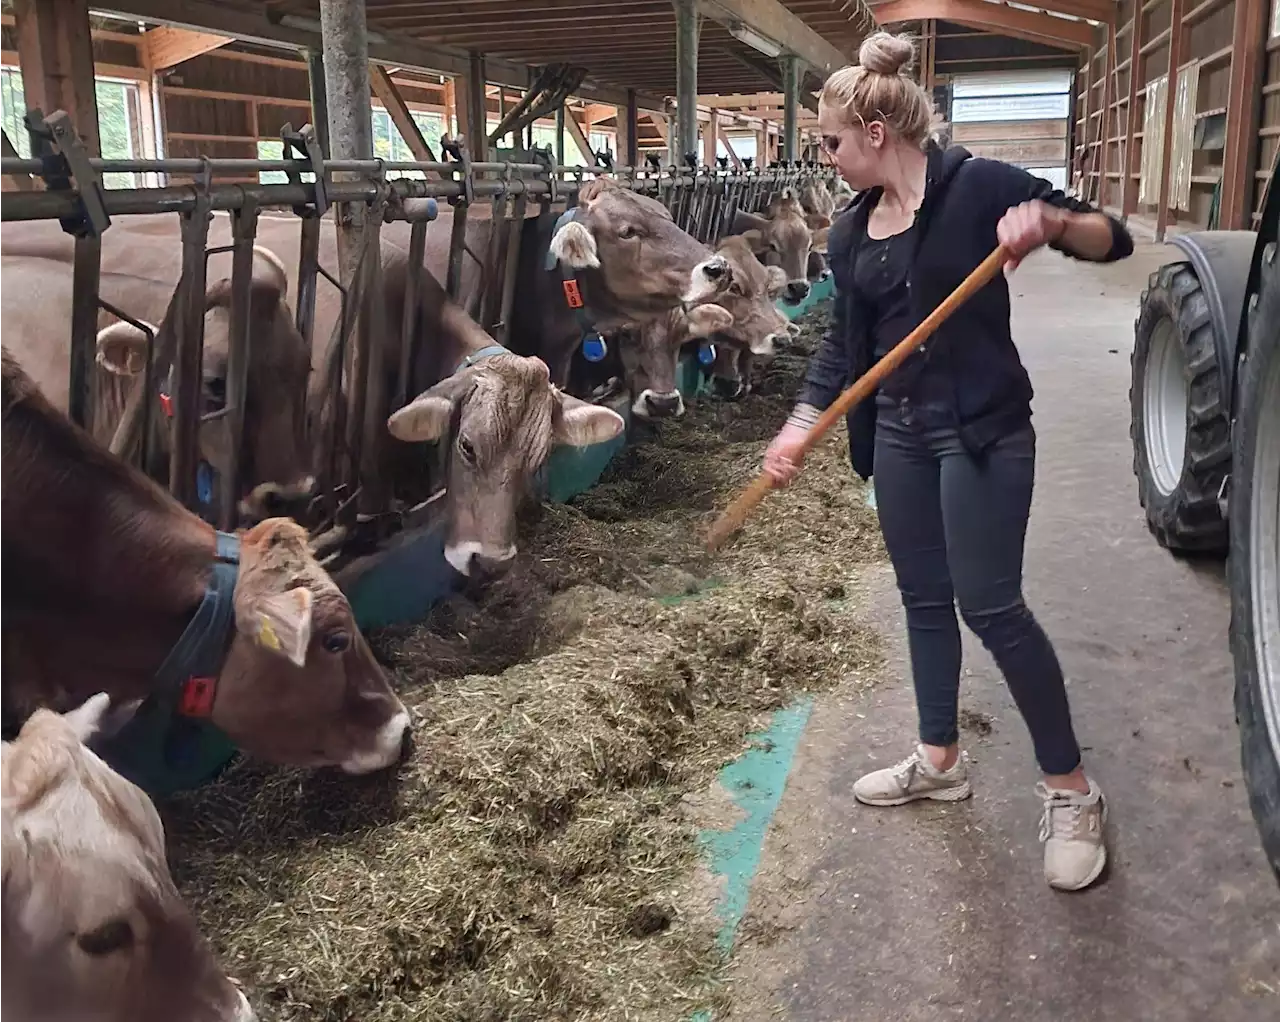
930,912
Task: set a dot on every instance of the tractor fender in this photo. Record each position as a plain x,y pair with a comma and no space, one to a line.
1221,260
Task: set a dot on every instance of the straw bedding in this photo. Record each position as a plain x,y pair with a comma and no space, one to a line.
535,856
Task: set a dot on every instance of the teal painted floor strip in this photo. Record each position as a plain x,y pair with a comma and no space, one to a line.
755,782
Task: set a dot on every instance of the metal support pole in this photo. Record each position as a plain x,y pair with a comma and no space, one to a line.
86,268
319,99
632,131
686,134
560,135
790,107
188,358
244,229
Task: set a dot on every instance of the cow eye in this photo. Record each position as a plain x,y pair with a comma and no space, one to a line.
113,935
466,448
628,231
336,642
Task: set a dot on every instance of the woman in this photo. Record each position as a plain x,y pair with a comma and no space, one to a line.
950,432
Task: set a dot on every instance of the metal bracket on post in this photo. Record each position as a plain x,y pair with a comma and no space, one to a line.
302,147
70,162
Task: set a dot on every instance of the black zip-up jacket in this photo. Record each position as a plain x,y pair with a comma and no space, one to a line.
971,357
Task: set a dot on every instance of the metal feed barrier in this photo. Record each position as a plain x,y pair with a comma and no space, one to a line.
355,509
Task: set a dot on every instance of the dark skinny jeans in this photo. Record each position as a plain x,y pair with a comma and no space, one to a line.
954,528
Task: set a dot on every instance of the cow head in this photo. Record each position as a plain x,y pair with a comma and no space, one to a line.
783,238
276,476
816,199
500,418
300,685
635,263
93,926
651,355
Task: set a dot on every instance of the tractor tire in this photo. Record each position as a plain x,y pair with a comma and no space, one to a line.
1253,569
1179,419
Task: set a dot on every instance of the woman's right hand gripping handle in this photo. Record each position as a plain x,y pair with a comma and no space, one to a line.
785,455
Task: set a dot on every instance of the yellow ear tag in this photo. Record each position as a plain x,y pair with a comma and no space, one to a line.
267,635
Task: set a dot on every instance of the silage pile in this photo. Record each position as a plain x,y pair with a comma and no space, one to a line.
532,859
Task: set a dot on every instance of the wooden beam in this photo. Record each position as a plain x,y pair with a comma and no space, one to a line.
593,112
659,123
165,46
398,51
775,22
734,159
741,99
473,108
1244,108
1097,10
993,17
1129,183
55,52
1171,96
709,137
574,130
389,96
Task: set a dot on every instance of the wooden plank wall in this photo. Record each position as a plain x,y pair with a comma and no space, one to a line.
1107,149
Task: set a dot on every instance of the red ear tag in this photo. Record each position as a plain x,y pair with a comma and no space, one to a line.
197,697
166,403
572,295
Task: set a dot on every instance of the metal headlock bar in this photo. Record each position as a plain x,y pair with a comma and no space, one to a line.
352,392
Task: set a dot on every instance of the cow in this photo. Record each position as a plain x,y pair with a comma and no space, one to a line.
784,237
139,278
111,584
816,200
93,927
744,317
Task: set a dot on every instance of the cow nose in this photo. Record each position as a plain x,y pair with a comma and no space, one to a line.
487,568
797,291
663,405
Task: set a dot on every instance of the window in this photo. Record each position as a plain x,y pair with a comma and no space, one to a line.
117,120
1275,17
1011,96
388,144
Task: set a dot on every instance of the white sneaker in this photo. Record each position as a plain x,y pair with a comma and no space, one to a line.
1071,829
915,777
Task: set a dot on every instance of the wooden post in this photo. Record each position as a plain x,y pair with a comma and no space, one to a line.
55,52
473,110
579,137
709,141
398,109
1163,213
561,114
1108,72
790,142
685,137
631,131
1244,106
1129,183
451,108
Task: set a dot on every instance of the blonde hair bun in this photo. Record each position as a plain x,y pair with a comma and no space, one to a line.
883,53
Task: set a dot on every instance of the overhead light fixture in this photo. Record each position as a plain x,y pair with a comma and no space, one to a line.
750,37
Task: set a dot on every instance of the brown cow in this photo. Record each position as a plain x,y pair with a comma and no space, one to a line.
784,237
110,584
93,927
748,319
139,278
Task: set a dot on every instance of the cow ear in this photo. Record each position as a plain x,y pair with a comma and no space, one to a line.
581,423
705,320
574,246
777,280
755,239
817,221
279,622
426,417
86,719
122,349
744,222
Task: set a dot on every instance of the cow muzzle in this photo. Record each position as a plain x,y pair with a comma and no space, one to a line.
706,279
652,405
390,743
480,562
796,291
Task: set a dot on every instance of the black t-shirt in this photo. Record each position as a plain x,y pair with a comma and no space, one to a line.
880,278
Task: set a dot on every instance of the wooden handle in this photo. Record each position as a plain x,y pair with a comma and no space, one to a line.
865,385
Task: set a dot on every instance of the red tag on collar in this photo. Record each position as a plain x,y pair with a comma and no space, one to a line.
166,404
572,295
197,695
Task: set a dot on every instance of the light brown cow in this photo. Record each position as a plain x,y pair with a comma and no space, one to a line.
104,573
139,277
783,237
744,316
93,927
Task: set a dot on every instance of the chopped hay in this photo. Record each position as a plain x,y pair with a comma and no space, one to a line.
535,856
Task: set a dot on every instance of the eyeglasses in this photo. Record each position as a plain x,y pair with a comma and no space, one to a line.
830,143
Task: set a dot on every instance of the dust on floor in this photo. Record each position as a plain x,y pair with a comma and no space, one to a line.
535,857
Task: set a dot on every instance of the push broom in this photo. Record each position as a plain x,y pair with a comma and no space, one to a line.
736,514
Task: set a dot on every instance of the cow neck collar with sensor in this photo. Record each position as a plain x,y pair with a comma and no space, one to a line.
479,356
188,678
594,347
